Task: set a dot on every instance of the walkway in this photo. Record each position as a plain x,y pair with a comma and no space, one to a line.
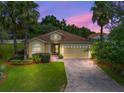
85,76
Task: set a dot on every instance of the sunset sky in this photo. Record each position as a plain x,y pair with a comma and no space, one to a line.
74,12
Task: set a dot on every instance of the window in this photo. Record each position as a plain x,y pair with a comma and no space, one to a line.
36,48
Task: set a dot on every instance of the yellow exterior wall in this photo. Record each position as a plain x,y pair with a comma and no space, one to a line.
67,50
29,50
47,48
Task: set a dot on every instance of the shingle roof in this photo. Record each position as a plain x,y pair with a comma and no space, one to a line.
66,37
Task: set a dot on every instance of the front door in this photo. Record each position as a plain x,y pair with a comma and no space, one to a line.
55,49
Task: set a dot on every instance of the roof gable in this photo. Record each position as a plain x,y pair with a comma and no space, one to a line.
56,31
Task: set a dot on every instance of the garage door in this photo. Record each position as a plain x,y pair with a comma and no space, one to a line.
75,52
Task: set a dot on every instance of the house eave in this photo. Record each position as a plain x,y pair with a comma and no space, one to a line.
38,40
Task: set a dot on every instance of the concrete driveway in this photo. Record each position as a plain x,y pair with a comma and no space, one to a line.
84,76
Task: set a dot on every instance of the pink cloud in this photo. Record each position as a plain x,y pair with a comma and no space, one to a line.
83,20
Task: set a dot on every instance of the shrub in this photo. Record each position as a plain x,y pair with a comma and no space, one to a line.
60,56
17,57
45,57
37,58
42,57
109,52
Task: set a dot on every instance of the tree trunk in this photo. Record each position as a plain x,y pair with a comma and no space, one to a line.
15,43
25,46
14,36
1,40
101,34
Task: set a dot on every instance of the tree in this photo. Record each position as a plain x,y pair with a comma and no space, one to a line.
112,51
52,22
12,14
38,29
63,24
50,19
29,16
118,14
3,36
102,14
19,17
117,33
3,22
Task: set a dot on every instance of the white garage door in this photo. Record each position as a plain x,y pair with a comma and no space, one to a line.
76,52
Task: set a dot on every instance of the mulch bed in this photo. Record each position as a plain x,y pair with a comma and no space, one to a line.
109,65
105,64
11,64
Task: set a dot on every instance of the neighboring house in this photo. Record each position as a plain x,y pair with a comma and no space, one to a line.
59,42
96,36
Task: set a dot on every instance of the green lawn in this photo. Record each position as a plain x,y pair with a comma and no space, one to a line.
113,75
37,77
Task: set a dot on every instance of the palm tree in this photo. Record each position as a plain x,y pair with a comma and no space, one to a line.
3,22
102,14
29,16
12,13
18,16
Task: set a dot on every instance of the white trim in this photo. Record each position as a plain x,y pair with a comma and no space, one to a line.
37,39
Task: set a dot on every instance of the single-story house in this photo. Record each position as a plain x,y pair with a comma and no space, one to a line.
59,42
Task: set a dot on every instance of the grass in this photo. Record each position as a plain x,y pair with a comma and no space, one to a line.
119,79
37,77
